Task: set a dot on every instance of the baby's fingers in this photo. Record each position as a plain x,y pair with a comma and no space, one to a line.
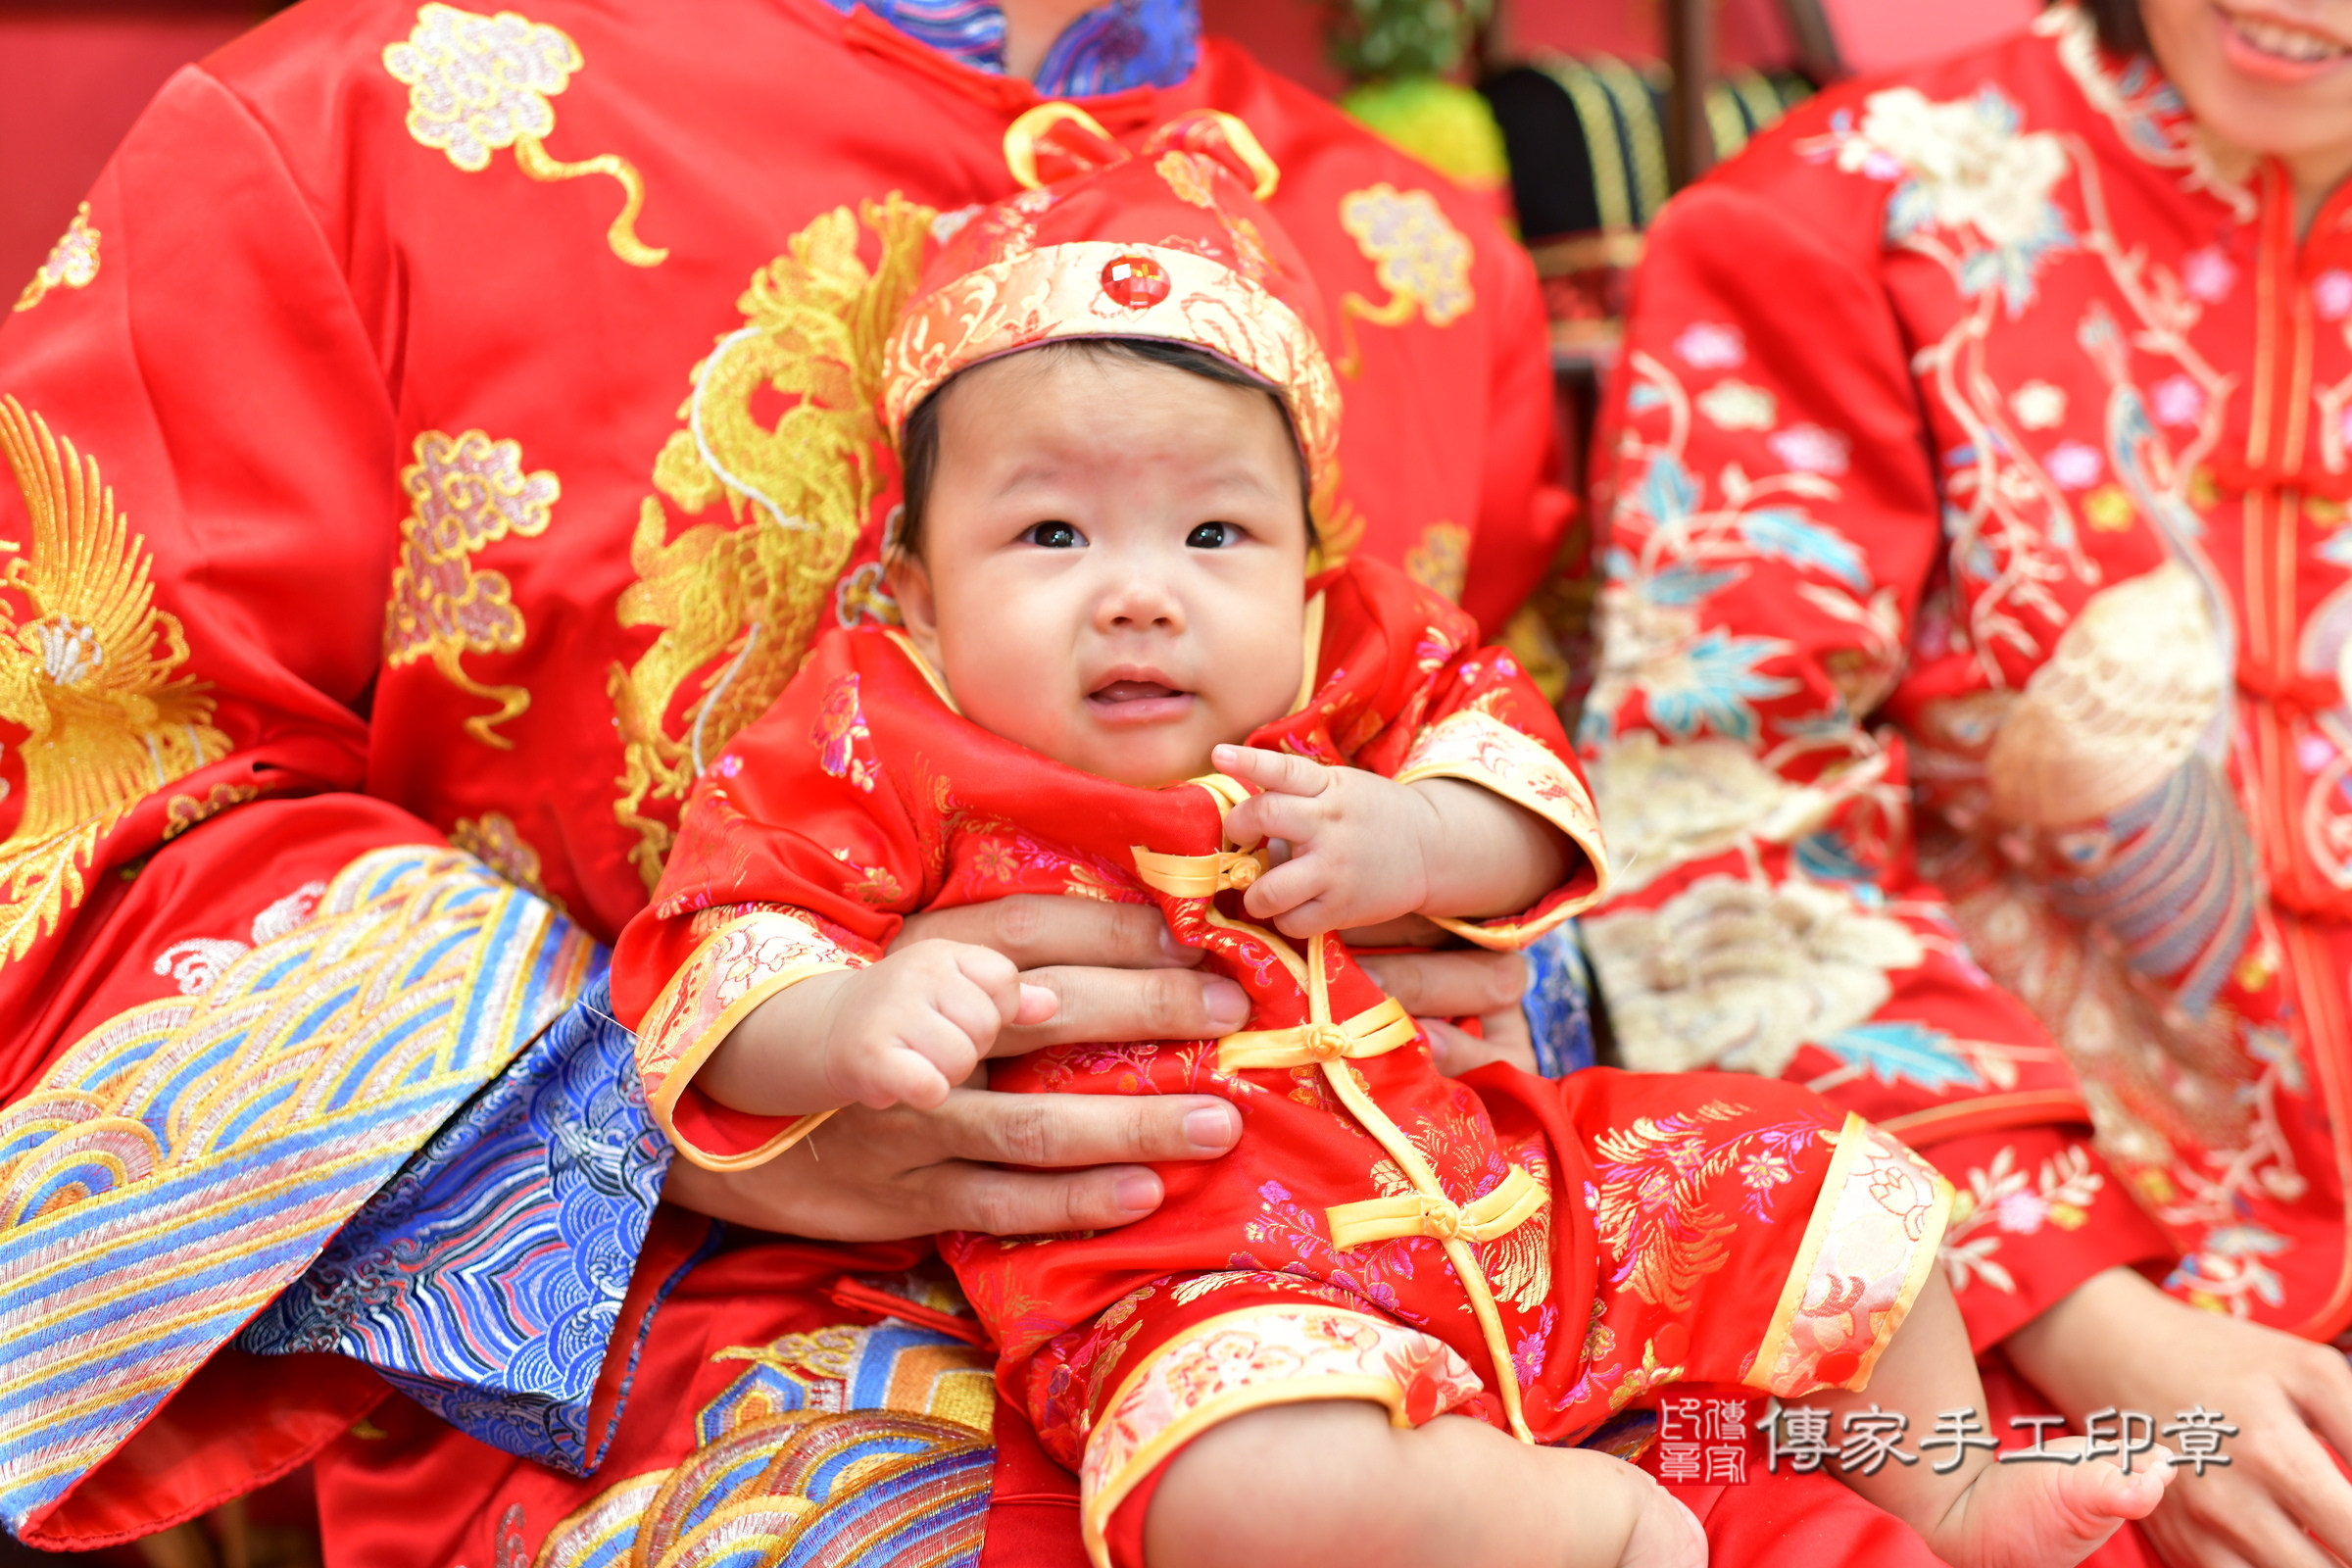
1276,771
998,981
1291,818
904,1073
1283,890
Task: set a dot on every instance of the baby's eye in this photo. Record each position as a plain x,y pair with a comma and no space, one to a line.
1212,536
1054,536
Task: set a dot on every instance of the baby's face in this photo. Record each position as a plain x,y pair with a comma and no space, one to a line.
1114,561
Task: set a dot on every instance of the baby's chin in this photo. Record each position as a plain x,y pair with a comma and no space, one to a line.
1129,760
1147,757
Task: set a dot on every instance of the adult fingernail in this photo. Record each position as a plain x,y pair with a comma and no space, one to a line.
1227,1006
1139,1194
1212,1128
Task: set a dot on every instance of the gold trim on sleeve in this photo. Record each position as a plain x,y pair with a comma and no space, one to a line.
1246,1361
737,967
1480,749
1866,1255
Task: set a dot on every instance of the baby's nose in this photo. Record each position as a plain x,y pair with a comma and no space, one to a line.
1142,605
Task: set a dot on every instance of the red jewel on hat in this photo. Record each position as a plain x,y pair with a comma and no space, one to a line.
1136,281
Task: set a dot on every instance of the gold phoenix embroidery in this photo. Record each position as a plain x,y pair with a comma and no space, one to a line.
465,492
87,673
479,84
1419,257
1653,1215
73,261
736,598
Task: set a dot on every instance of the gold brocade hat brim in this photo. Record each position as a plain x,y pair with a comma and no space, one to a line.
1169,241
1058,293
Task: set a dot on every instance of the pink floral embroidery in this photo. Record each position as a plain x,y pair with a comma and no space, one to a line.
840,726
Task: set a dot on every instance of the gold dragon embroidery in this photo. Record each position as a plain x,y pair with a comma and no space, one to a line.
1441,562
465,492
87,673
736,598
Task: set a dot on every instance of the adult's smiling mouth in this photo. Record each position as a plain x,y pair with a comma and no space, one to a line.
2278,50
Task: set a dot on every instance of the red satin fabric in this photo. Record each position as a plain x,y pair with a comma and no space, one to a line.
293,290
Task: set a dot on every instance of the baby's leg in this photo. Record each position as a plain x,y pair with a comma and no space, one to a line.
1332,1482
1981,1513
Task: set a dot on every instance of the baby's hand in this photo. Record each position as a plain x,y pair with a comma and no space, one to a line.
1357,842
906,1030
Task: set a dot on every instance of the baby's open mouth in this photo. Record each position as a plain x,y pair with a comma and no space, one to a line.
1139,698
1134,691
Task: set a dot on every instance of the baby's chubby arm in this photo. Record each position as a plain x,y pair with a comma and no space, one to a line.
1365,848
901,1031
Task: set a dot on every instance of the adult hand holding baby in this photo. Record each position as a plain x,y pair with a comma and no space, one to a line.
903,1032
1116,974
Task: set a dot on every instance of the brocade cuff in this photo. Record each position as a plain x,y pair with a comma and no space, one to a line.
1480,749
752,952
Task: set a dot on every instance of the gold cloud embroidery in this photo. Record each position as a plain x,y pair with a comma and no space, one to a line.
477,84
86,671
1419,257
736,598
465,492
73,261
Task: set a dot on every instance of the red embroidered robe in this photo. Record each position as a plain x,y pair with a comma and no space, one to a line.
1976,636
1534,1252
410,434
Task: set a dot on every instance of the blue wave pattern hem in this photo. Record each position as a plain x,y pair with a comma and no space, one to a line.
185,1162
486,1279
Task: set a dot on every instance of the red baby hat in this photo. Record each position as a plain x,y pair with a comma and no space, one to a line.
1171,242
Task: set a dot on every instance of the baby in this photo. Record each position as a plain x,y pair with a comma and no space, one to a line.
1369,1331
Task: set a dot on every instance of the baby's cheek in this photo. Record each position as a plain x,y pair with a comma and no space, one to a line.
1260,664
1010,672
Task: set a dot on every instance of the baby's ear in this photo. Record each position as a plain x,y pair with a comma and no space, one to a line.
910,583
